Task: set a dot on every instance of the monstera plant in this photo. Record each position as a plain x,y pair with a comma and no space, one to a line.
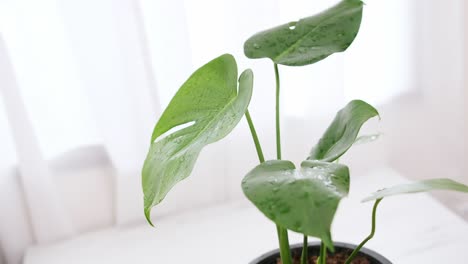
210,104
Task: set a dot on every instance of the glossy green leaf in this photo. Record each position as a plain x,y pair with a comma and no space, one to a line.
310,39
211,106
420,186
302,200
343,131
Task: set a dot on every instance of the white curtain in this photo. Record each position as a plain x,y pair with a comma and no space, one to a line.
74,74
88,72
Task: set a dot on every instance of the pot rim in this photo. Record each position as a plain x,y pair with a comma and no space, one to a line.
363,250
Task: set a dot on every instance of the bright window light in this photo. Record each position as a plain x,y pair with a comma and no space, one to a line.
47,75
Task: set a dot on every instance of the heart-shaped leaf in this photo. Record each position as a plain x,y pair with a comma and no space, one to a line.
208,100
310,39
420,186
304,200
342,132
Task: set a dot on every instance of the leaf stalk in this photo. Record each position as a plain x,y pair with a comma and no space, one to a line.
258,147
323,253
278,129
369,237
305,251
285,250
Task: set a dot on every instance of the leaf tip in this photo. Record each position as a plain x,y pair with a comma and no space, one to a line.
247,73
327,240
148,216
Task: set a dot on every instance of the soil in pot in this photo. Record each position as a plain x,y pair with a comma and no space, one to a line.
343,250
338,258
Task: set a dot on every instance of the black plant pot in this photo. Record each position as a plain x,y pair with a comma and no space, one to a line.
314,249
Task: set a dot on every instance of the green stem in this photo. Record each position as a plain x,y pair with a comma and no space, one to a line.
278,131
369,237
305,251
258,147
323,253
285,250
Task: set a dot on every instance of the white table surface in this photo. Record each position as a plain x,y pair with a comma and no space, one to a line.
411,229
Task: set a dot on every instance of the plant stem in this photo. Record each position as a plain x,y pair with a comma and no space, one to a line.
323,253
369,237
285,251
278,130
305,251
258,147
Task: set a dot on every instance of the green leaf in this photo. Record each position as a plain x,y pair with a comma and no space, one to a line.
342,132
209,102
364,139
304,200
420,186
310,39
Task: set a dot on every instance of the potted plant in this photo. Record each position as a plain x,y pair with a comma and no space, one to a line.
208,106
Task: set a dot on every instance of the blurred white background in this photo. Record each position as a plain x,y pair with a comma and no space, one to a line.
83,83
